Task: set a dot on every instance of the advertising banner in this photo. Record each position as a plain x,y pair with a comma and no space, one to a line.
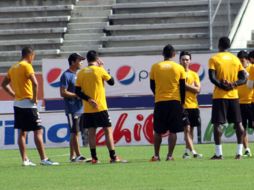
130,73
130,127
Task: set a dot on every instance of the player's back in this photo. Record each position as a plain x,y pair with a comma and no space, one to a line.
91,80
226,65
167,75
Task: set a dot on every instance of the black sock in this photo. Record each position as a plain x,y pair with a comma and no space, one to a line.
112,154
93,153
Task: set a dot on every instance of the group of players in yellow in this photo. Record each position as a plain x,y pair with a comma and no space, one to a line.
175,88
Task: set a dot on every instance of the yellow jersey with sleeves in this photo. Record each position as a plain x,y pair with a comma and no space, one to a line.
191,101
226,66
91,81
166,75
245,94
19,75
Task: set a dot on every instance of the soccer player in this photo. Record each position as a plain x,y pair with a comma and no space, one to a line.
90,87
24,88
245,98
191,117
226,73
73,104
167,82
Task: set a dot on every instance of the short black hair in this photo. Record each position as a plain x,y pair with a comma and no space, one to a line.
168,51
26,51
242,54
251,54
92,56
184,53
74,57
224,43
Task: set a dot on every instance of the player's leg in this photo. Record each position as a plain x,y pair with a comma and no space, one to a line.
174,124
188,142
92,143
22,121
186,123
38,140
246,121
219,113
159,128
22,144
194,117
234,116
239,134
171,145
75,139
71,143
157,144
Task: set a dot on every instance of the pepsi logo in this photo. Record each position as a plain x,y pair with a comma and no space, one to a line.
53,77
125,75
196,67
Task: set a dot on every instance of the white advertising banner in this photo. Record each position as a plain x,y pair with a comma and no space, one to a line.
131,74
130,127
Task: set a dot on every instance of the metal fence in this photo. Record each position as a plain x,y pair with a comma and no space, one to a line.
224,15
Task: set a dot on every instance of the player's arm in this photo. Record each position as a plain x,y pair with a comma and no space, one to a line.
193,88
216,82
6,86
242,78
35,87
67,94
182,90
152,86
83,96
111,81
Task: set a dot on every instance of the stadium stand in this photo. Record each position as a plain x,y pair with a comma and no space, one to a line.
143,27
35,23
85,28
56,28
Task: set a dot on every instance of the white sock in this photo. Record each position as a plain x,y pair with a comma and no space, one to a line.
194,152
247,149
187,151
239,149
218,150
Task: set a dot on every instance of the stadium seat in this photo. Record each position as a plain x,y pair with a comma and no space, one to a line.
38,24
137,24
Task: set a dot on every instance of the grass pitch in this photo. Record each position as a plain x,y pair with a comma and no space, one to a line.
205,174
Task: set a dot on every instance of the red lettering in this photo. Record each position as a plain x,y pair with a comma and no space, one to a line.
137,131
148,129
119,132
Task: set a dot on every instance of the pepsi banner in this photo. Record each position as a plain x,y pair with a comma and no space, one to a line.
130,73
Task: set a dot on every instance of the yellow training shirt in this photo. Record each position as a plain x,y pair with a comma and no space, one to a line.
191,101
245,94
227,66
251,77
19,75
91,81
166,75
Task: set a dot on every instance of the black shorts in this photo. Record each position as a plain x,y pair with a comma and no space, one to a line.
168,117
246,113
94,120
74,122
27,119
226,110
192,117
